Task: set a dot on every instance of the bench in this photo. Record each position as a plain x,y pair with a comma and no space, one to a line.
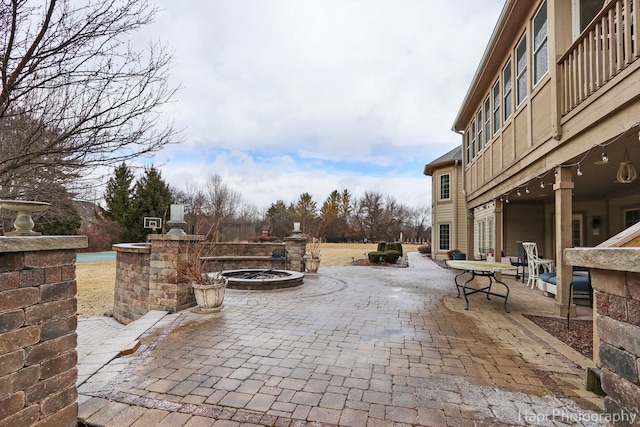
580,284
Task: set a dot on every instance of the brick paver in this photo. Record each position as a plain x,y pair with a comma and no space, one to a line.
354,346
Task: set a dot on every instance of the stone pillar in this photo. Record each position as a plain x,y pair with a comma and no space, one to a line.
615,277
563,189
38,330
146,277
296,245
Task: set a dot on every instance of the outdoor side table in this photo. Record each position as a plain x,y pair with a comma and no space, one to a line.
480,269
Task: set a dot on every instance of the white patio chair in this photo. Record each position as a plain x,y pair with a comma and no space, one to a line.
537,265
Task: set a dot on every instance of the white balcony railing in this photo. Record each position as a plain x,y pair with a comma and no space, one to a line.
605,48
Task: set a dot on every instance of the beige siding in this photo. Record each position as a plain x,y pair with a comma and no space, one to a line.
521,123
541,114
523,222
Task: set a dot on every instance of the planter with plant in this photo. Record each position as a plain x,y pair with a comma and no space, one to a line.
208,288
312,257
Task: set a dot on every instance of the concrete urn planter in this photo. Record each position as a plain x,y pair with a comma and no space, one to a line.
312,264
210,297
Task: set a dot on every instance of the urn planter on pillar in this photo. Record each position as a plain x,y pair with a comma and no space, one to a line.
209,292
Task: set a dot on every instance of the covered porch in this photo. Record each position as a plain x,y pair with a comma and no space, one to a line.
580,202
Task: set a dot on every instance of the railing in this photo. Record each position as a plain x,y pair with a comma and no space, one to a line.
605,48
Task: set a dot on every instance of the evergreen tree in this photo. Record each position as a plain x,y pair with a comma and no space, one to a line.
152,198
279,216
119,194
306,211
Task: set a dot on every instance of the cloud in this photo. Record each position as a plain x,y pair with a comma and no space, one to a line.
284,97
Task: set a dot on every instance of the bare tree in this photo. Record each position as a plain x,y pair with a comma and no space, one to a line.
74,94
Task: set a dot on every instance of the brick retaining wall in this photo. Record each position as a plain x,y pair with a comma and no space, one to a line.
38,330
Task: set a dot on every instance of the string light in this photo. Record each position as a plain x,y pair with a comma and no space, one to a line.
604,159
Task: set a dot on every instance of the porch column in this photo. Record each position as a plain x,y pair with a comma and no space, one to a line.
563,188
498,225
471,230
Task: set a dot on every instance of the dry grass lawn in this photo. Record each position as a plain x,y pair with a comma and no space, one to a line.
96,279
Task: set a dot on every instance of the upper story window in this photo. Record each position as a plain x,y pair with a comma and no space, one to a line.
473,139
521,70
487,120
445,187
468,147
496,107
507,105
479,122
584,12
540,51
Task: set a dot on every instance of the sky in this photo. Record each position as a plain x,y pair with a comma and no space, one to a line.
283,97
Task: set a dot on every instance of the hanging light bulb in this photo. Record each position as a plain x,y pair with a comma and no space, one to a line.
518,193
506,200
541,184
579,171
605,159
526,190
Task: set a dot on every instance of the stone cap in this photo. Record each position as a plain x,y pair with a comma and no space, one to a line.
616,259
142,248
41,243
173,237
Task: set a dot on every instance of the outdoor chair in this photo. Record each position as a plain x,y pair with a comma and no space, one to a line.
280,259
520,261
536,264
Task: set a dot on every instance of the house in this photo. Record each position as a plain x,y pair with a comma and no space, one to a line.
448,213
550,130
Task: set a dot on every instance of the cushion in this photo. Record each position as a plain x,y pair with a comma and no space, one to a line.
548,277
580,282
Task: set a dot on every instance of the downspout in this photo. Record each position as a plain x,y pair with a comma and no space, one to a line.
464,194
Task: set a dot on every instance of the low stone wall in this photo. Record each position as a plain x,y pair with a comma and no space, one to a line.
146,277
38,322
615,277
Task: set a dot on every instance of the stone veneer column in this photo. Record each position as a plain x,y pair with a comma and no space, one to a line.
296,246
615,277
146,277
38,338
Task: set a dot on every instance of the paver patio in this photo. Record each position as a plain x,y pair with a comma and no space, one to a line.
354,346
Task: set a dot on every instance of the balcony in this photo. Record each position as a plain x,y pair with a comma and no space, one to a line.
604,49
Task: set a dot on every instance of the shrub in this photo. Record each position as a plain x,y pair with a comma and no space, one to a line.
374,257
425,249
381,247
394,247
392,256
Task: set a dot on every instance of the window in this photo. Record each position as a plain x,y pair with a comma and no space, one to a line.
479,121
586,11
631,216
468,147
482,238
496,107
540,54
445,186
521,70
487,120
473,140
506,90
444,239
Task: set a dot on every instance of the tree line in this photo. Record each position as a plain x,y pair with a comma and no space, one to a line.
220,213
